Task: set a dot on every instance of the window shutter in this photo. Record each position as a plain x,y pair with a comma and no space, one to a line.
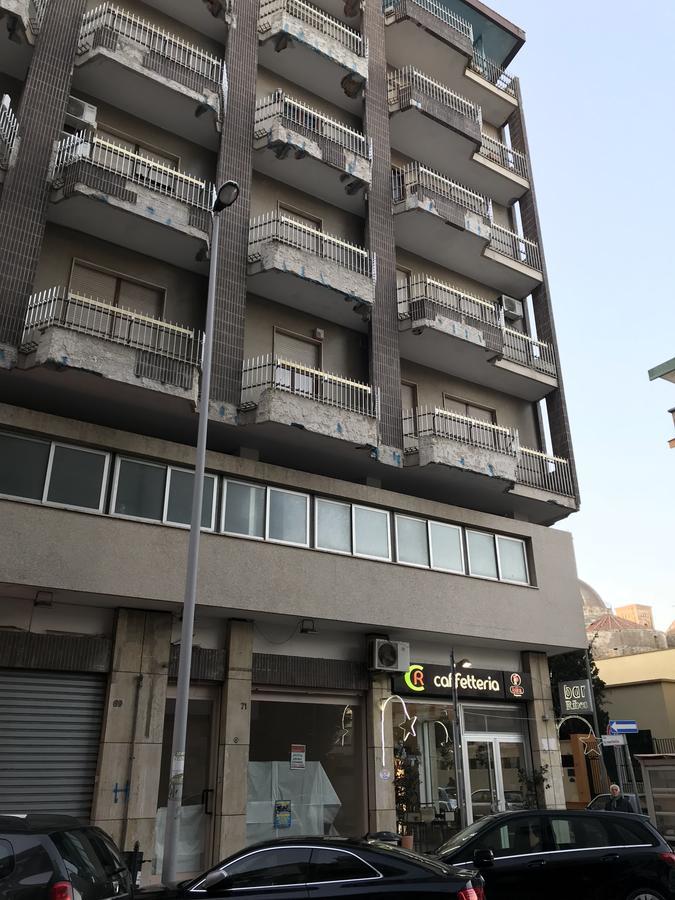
93,283
296,350
141,299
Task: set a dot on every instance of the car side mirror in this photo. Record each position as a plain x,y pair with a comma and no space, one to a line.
483,859
216,881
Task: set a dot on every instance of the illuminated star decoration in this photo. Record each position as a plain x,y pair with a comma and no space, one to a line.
344,730
408,729
592,752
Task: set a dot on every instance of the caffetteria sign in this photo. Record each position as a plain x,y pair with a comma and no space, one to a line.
481,684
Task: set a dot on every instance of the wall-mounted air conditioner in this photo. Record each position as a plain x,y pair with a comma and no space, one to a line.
513,309
389,656
80,115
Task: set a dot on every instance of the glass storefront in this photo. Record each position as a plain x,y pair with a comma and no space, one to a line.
306,767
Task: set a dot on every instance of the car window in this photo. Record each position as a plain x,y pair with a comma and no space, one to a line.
277,866
337,865
78,855
578,832
623,831
6,858
514,837
106,851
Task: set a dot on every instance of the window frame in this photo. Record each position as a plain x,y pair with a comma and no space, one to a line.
223,509
35,440
387,513
307,497
119,277
491,534
198,888
425,522
375,877
113,497
167,488
462,548
104,480
316,546
523,542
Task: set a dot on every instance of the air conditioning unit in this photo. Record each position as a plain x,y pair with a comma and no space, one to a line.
513,309
80,115
389,656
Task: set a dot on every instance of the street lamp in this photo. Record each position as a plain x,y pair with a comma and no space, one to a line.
224,197
457,736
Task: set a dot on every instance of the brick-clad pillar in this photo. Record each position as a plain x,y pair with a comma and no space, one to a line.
235,163
543,311
381,796
385,362
25,195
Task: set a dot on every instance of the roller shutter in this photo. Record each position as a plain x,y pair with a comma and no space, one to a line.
50,728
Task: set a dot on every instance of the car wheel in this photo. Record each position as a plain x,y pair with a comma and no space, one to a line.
645,894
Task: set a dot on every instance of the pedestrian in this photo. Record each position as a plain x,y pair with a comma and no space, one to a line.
616,802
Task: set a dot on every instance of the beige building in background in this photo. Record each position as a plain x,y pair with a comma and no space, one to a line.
642,687
639,613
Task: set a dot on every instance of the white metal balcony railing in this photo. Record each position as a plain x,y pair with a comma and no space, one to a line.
151,38
504,156
8,129
411,79
273,227
299,116
272,373
59,307
516,247
415,176
461,429
529,352
492,72
40,7
549,473
315,18
436,9
133,166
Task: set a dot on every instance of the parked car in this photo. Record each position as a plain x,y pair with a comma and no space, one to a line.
482,801
556,854
46,857
326,868
601,801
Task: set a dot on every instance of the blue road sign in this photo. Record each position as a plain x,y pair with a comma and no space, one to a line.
623,726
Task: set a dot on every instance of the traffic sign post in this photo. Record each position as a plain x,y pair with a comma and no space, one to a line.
619,728
623,726
613,740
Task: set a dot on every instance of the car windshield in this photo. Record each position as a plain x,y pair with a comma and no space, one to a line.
426,862
459,839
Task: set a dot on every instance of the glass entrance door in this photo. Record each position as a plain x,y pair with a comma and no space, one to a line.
481,775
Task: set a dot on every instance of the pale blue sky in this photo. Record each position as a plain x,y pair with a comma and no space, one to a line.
597,79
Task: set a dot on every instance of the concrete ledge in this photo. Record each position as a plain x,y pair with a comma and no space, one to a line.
446,452
450,212
423,18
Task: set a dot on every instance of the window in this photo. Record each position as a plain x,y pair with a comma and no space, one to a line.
464,408
287,517
302,230
512,559
6,858
628,832
140,489
294,349
178,501
90,281
519,836
337,865
446,547
371,532
81,862
77,477
482,555
580,832
333,529
270,868
23,466
243,509
412,541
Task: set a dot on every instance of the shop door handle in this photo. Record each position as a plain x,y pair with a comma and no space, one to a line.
205,801
539,864
611,857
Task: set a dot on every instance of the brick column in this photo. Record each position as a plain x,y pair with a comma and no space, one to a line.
385,364
543,731
235,163
541,297
25,195
233,747
381,797
127,781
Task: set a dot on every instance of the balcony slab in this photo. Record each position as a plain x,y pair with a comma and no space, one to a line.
442,451
18,29
198,16
497,104
501,184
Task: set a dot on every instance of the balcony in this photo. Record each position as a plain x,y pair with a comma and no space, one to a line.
209,17
303,267
314,49
20,22
315,153
129,62
425,203
8,129
279,392
503,173
76,332
545,474
128,199
426,34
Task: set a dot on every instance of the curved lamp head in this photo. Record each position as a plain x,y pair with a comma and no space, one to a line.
464,664
226,196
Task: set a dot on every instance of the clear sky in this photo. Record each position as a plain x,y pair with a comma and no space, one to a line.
597,79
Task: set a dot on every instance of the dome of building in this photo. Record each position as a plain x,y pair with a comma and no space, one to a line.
670,635
594,605
612,635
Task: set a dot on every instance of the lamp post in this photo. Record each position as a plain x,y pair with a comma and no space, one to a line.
457,737
223,198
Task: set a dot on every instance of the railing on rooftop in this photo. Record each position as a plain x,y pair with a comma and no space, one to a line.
549,473
436,9
270,372
134,167
461,429
62,308
516,247
191,59
275,227
504,156
415,178
403,81
492,72
316,18
8,129
297,116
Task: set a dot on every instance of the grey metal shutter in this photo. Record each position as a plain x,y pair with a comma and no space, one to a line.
50,728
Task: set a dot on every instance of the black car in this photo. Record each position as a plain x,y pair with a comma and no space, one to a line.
45,857
327,868
558,854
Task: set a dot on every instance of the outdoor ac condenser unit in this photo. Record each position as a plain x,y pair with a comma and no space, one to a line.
389,656
513,309
80,115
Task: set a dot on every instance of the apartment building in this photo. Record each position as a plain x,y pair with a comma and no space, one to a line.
666,371
388,442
